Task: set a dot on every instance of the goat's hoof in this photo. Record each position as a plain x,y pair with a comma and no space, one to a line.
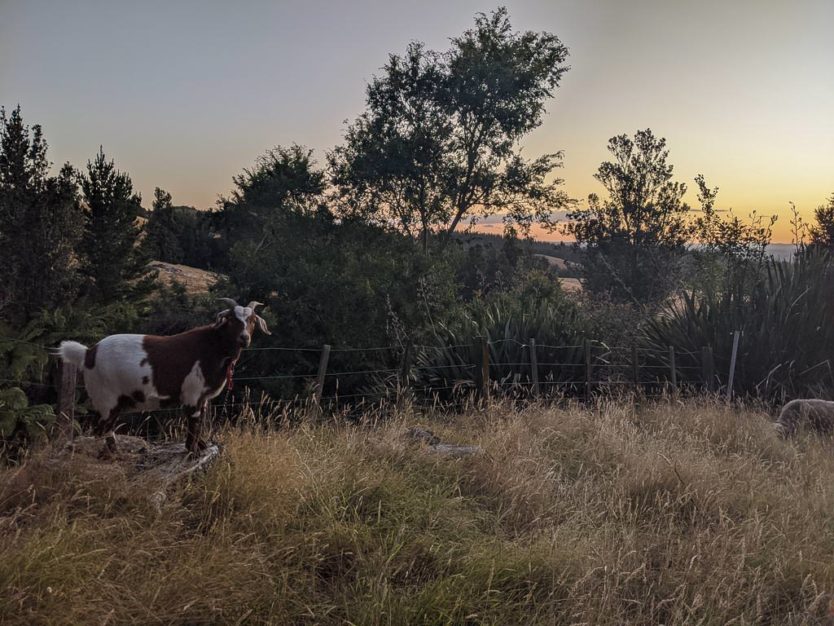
195,449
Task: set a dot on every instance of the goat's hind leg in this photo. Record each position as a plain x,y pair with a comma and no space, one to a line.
106,428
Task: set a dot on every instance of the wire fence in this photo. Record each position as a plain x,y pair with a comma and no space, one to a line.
337,377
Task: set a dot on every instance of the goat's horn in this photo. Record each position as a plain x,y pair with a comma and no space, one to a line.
254,304
229,302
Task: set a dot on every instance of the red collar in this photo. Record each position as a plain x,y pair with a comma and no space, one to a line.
230,372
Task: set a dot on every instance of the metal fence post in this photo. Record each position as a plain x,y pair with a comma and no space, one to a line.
673,371
732,374
587,371
534,366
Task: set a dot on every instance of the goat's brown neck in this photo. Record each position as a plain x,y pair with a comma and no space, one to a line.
225,342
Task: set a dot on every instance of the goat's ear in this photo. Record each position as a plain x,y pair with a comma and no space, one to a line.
262,325
220,319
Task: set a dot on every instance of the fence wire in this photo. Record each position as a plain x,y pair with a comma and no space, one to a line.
604,367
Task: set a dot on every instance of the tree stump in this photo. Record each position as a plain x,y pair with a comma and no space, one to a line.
163,463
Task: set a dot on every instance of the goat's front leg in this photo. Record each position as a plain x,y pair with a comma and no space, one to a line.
194,443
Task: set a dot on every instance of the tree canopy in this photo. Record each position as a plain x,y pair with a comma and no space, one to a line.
438,143
40,223
635,233
113,262
822,232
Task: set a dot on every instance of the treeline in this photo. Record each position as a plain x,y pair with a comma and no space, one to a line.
366,249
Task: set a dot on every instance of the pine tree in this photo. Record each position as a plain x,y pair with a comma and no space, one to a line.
40,224
113,262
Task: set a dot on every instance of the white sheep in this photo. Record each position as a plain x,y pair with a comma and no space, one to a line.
816,414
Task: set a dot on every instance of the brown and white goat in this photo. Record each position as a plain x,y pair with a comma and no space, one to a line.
131,373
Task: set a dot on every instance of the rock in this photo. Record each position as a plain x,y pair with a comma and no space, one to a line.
435,446
421,435
453,450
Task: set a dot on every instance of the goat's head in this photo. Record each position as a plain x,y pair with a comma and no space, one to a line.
240,321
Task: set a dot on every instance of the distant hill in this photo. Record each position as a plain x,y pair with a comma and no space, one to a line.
193,279
565,251
782,251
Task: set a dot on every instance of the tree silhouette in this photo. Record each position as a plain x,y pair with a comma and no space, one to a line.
179,234
822,233
634,236
438,142
40,223
112,260
284,181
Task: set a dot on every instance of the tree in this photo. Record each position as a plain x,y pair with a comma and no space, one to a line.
284,180
179,234
730,251
113,262
161,242
40,223
438,143
282,175
634,237
822,233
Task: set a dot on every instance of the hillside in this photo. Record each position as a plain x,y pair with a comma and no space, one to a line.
670,513
193,279
564,251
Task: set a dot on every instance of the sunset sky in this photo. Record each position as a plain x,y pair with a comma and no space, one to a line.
184,94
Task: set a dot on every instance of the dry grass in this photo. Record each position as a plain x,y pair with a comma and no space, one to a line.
671,513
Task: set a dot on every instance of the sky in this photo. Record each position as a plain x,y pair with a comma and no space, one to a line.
185,94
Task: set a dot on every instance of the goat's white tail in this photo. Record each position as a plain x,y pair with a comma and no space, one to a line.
72,352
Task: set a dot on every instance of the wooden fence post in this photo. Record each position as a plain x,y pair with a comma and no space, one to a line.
323,360
673,371
67,375
707,369
405,366
534,366
732,374
587,371
485,368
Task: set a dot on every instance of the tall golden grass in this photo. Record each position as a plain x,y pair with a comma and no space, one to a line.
674,513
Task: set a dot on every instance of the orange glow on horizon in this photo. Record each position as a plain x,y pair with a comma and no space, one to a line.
782,231
537,232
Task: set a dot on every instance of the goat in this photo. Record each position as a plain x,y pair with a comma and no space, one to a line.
131,373
817,414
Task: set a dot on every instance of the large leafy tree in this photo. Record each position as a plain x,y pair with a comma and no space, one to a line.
635,235
284,180
438,144
40,223
113,261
